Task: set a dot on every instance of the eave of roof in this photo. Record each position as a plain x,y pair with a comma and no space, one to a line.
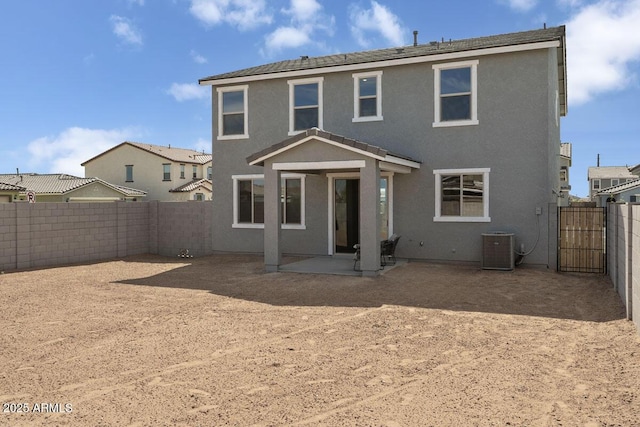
193,185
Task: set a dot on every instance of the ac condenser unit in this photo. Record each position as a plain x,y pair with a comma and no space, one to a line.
497,251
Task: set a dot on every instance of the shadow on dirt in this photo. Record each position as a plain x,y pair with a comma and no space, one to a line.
525,291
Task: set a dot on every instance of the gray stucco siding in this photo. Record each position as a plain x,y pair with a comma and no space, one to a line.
515,138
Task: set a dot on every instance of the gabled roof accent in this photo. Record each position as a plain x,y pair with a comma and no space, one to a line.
433,51
363,148
58,184
179,155
193,185
604,172
620,188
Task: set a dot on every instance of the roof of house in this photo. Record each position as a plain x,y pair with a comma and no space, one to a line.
432,48
403,55
604,172
363,147
620,188
61,183
180,155
193,185
4,186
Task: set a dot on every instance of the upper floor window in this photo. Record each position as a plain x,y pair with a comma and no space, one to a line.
233,112
456,93
209,172
305,104
181,171
166,171
595,184
194,171
367,96
128,171
248,203
462,195
615,181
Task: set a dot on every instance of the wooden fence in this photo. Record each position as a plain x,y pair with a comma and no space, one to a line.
582,239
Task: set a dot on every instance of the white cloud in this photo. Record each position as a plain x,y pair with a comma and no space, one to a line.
378,20
243,14
203,145
125,30
187,91
134,2
65,152
197,58
603,41
522,5
306,20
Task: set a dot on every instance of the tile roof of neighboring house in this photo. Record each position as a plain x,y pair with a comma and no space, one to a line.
257,158
609,172
433,48
4,186
61,183
620,187
181,155
193,185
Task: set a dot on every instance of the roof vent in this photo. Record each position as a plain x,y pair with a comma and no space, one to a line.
400,50
415,37
304,57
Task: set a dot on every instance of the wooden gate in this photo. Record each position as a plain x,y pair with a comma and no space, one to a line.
582,239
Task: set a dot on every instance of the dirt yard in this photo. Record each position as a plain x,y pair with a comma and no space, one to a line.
214,341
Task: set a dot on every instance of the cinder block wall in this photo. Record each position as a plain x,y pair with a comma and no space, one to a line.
50,234
623,234
635,265
184,225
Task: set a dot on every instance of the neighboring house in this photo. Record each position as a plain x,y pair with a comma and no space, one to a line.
603,177
163,172
565,164
69,188
627,192
10,192
439,143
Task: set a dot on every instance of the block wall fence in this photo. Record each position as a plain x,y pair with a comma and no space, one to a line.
623,255
50,234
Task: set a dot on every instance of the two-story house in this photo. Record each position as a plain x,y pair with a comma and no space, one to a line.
438,142
603,177
164,173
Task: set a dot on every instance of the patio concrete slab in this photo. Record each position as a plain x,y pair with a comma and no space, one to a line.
334,265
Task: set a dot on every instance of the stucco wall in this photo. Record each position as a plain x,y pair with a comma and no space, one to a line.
49,234
517,138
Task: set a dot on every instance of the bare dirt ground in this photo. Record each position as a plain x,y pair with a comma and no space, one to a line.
151,341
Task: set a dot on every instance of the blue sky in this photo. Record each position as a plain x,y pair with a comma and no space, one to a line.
79,77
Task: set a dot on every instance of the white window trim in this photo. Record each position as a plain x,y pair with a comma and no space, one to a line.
593,184
301,226
617,182
292,85
221,91
356,97
474,93
485,195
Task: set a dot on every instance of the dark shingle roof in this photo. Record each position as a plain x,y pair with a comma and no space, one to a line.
371,56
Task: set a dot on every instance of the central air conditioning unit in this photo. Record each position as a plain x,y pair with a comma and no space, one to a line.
497,251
